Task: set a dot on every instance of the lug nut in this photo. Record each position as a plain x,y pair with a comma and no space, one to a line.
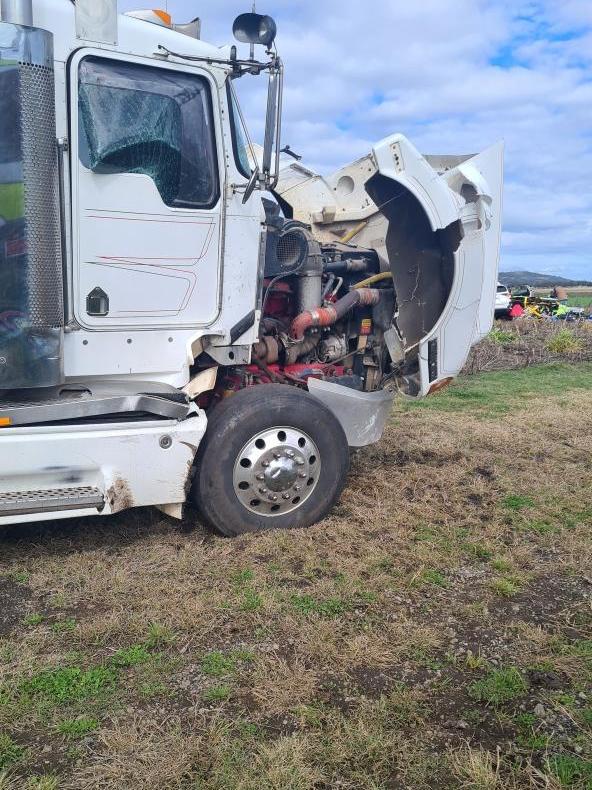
297,488
260,477
300,462
263,491
303,475
290,453
286,495
272,498
265,463
277,455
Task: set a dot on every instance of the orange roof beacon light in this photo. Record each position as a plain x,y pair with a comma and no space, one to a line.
166,17
155,16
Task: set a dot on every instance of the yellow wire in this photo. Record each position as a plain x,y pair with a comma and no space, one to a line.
374,279
353,232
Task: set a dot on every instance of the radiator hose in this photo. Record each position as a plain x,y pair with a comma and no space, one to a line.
327,316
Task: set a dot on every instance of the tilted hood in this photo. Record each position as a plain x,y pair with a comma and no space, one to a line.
435,222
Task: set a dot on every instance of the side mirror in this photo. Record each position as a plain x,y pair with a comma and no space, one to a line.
271,121
255,29
266,174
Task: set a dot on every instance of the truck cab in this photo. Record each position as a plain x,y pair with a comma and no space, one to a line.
185,316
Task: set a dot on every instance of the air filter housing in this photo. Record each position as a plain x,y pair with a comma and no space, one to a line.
31,279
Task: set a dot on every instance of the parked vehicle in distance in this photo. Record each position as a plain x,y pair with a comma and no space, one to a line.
503,301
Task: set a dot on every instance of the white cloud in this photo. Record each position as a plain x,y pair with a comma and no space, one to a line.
454,75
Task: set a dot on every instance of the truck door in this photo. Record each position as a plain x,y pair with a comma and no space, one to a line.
145,194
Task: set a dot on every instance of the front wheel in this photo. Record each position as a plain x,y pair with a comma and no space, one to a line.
273,457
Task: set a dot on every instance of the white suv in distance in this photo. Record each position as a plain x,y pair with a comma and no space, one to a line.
503,301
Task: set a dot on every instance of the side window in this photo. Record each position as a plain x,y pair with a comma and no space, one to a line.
141,119
239,143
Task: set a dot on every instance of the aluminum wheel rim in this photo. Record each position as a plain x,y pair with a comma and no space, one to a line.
276,471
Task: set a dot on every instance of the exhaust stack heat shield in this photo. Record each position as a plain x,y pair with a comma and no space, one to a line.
31,279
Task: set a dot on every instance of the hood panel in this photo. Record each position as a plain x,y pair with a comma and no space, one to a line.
435,222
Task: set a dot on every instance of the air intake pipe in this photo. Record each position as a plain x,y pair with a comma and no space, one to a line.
327,316
31,280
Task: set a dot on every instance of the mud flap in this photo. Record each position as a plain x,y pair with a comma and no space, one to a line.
363,415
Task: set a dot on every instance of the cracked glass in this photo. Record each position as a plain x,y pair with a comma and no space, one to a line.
149,121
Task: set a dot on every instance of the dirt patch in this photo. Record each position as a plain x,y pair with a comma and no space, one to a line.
371,681
14,599
119,495
551,599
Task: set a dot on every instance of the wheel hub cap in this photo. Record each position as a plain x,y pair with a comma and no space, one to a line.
276,471
281,474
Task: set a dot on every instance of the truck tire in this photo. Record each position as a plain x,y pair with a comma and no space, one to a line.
273,457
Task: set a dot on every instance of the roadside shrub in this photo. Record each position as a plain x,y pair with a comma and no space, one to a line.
502,337
564,342
131,656
517,502
77,728
523,342
570,770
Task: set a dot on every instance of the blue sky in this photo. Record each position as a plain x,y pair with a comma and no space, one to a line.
454,76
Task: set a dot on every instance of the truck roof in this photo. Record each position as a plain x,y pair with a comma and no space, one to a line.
135,36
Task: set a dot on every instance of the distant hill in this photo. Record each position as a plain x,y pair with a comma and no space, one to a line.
513,279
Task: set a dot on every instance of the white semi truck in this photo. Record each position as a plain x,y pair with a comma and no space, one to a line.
183,315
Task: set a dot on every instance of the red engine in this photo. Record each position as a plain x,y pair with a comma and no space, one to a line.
319,317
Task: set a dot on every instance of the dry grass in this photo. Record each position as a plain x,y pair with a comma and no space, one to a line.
526,341
341,656
475,769
142,752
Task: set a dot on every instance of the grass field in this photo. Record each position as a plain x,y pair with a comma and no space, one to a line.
579,296
434,632
583,299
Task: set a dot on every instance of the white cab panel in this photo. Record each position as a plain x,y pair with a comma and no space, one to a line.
131,464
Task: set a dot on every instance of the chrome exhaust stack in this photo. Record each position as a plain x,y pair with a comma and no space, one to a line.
17,12
31,279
